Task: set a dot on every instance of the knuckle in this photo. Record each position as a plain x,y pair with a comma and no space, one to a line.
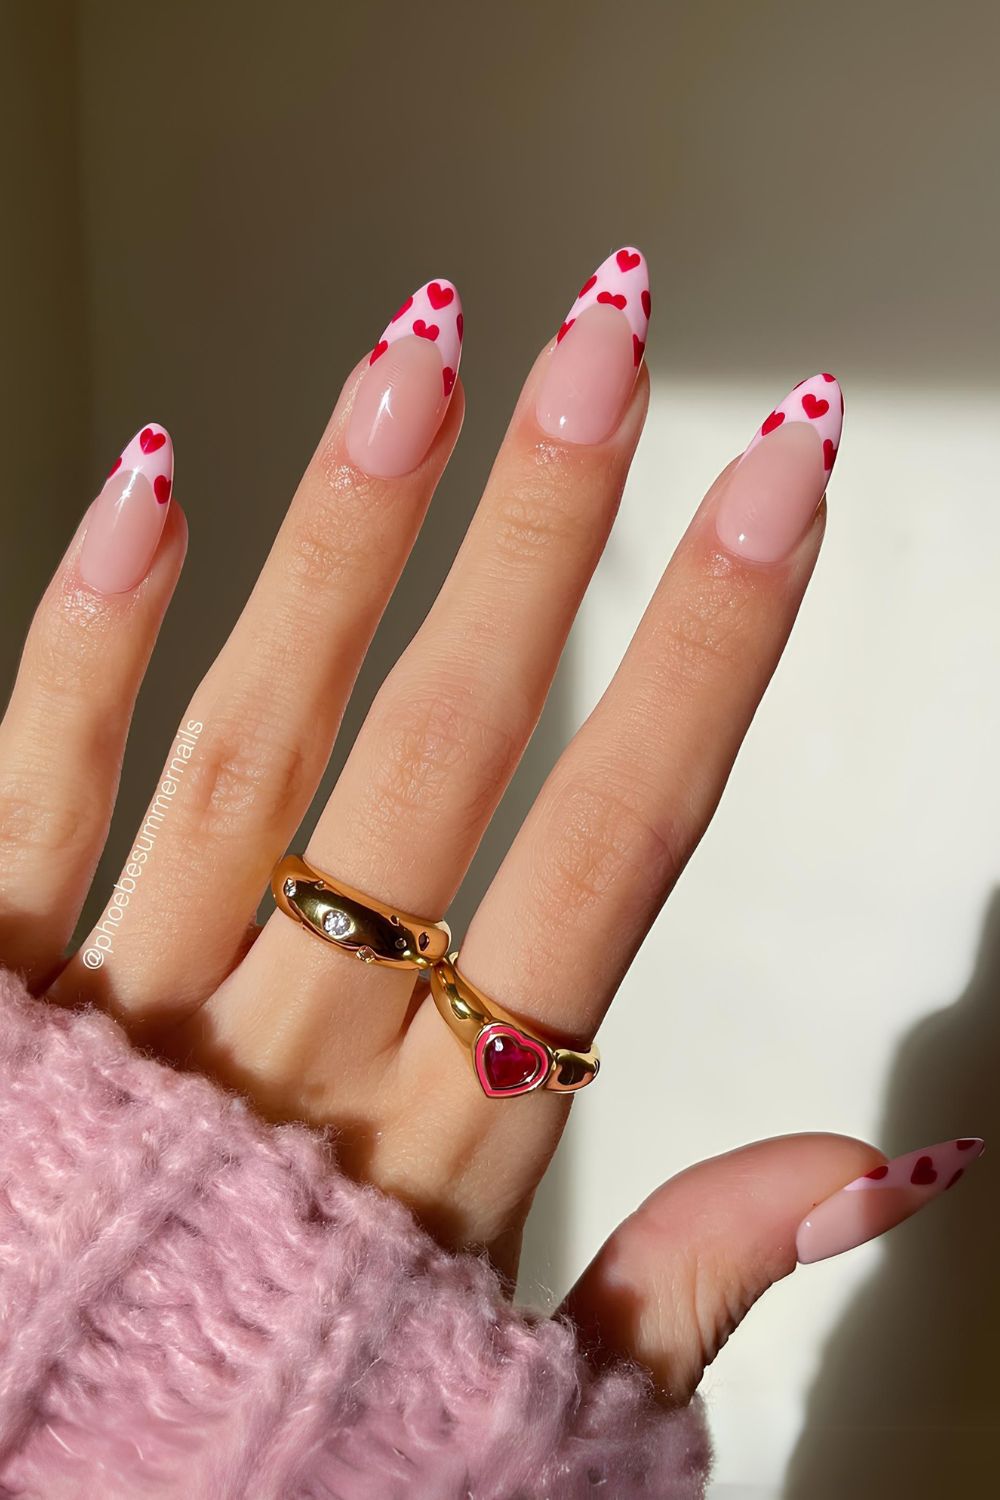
600,838
533,521
323,546
702,640
241,773
66,645
439,748
34,821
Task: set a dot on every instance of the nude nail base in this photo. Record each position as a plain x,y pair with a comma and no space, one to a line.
883,1198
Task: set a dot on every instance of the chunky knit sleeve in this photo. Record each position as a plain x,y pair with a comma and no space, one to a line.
196,1304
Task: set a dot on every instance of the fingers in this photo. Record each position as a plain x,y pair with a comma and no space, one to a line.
451,721
633,793
619,815
266,714
680,1274
63,735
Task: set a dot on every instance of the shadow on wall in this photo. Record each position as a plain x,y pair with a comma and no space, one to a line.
923,1334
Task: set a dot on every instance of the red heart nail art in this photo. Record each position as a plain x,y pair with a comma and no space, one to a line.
150,441
162,487
607,287
807,403
830,378
115,467
439,296
923,1173
507,1062
966,1143
877,1173
433,312
954,1177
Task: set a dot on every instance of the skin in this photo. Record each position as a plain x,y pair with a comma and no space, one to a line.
612,828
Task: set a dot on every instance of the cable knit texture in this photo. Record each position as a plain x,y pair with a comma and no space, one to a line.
194,1303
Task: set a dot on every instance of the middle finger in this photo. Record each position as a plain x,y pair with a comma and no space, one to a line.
451,721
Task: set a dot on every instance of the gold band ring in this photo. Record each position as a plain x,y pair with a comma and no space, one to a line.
354,922
506,1058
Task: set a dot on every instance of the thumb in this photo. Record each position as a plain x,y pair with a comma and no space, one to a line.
679,1274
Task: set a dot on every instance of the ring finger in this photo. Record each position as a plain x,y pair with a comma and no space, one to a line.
622,810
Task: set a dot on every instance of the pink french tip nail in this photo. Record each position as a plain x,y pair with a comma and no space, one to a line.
597,353
771,496
405,390
883,1198
127,518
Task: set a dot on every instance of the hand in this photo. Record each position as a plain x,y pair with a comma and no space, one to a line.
285,1017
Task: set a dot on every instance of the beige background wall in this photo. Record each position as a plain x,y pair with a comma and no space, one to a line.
210,210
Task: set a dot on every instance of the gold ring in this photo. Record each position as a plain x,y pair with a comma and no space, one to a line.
354,922
506,1058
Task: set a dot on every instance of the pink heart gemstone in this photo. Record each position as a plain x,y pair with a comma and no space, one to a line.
508,1062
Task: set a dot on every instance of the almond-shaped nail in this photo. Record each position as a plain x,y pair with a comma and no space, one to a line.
883,1198
598,351
404,392
772,494
126,519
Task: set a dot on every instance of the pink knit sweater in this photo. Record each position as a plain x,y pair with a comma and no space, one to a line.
196,1304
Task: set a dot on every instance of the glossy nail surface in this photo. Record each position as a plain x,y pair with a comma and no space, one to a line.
773,492
883,1198
598,351
404,393
127,517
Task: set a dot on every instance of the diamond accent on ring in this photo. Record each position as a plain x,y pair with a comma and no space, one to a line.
289,889
337,923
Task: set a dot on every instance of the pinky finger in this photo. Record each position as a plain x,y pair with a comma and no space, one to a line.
679,1275
63,735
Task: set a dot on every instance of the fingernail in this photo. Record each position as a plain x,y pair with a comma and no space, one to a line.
772,494
883,1198
127,517
405,390
598,351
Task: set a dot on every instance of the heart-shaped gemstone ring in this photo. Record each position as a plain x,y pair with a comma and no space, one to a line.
506,1058
508,1061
